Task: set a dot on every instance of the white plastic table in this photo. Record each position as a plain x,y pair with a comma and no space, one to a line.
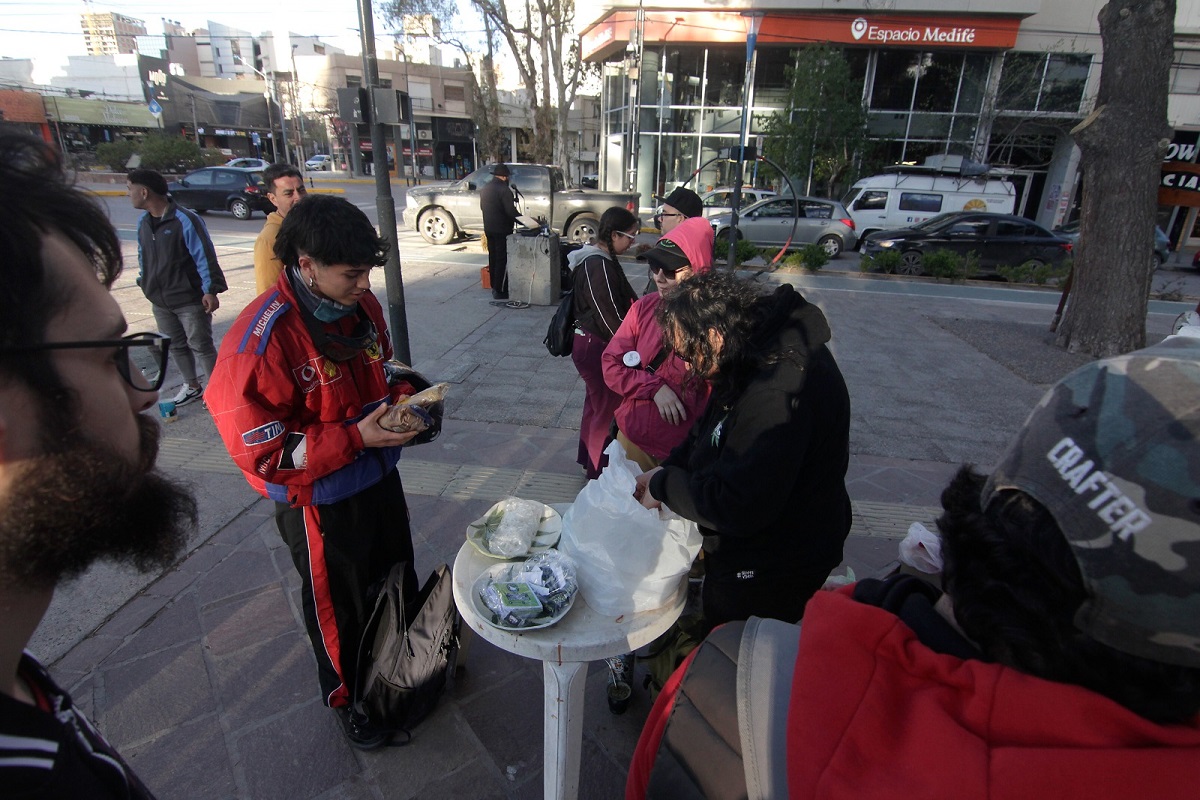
564,649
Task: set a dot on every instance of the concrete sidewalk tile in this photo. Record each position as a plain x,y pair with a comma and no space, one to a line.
176,622
478,780
484,667
190,761
137,700
261,680
441,745
599,777
84,656
243,620
298,754
483,483
508,721
248,567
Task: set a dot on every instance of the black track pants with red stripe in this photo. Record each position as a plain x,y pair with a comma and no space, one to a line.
340,550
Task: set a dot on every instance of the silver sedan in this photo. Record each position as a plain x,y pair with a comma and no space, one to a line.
772,222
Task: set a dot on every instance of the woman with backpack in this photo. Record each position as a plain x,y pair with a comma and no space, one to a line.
602,297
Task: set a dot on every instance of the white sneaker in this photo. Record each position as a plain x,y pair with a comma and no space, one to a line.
186,395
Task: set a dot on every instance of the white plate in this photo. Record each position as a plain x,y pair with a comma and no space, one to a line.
548,532
492,573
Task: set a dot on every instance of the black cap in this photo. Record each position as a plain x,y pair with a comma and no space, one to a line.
501,170
666,254
687,201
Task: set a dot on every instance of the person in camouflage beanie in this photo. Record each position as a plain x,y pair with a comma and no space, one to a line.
1060,659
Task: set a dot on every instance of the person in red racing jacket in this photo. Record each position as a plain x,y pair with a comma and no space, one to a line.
297,395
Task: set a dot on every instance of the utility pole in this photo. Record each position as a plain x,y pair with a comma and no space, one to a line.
385,204
299,110
754,21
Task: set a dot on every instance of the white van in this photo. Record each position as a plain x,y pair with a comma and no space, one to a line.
901,199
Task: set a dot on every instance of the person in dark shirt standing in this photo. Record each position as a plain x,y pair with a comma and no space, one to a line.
179,275
499,217
77,453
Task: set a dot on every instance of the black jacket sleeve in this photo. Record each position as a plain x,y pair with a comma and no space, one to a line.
603,296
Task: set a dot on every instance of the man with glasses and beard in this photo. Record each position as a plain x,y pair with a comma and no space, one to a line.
297,395
76,460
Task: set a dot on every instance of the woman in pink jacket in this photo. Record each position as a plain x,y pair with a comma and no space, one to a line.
657,404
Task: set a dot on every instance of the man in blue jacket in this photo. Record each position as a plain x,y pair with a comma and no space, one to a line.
179,275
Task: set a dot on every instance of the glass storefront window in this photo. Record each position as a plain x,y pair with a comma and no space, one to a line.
937,76
1066,77
974,83
1021,80
726,75
893,87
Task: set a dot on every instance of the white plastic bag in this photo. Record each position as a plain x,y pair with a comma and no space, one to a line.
922,549
628,558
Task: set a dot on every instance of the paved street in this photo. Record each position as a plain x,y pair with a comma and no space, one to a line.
203,676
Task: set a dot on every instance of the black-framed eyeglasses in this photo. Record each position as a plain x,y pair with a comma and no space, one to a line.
144,369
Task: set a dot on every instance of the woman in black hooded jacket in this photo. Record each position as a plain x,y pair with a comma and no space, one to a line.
763,470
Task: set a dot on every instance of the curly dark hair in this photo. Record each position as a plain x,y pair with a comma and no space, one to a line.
38,200
330,230
1016,587
722,302
613,220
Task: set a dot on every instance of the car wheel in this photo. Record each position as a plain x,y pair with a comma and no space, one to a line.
832,245
240,208
437,226
583,230
1156,261
910,263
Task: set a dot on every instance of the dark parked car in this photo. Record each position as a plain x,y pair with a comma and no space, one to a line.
1162,245
997,240
241,192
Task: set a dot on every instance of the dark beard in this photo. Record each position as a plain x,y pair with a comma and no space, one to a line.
82,501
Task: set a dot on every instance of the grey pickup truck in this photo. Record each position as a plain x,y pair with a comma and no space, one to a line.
440,213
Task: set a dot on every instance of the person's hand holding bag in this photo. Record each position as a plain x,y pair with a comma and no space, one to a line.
641,492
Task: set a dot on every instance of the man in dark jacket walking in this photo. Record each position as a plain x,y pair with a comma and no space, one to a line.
179,275
499,215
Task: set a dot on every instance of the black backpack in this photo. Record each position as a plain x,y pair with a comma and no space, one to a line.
560,336
407,654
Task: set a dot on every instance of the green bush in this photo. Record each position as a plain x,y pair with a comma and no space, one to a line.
1033,272
813,257
213,157
116,154
885,261
950,265
745,250
170,153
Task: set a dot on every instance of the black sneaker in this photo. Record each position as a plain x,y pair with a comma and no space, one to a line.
359,732
186,395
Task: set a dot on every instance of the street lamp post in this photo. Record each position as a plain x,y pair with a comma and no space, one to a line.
754,22
269,94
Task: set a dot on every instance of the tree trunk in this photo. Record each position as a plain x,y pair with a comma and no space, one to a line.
1122,143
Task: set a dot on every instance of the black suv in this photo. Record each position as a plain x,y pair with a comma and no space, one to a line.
241,192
